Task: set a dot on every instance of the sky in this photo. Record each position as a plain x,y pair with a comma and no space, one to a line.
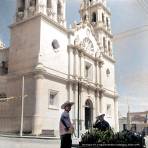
129,23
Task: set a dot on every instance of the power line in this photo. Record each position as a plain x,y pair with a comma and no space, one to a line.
143,4
130,32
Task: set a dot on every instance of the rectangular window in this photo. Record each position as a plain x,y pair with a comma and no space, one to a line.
108,110
88,71
53,98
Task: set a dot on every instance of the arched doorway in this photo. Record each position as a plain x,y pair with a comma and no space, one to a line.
88,113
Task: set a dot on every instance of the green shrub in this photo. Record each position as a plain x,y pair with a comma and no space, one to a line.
95,136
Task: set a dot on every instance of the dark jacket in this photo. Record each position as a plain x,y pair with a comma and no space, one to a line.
102,125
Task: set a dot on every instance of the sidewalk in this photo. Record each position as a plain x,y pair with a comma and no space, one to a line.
15,141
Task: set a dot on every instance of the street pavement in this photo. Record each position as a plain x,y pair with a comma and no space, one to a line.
13,142
30,142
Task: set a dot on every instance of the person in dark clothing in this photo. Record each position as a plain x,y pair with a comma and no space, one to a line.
66,127
101,124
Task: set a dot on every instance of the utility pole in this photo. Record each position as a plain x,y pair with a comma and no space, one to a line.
22,107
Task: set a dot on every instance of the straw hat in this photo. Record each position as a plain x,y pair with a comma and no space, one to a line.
67,103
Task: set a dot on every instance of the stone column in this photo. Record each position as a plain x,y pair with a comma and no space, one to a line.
97,72
100,73
82,106
71,62
96,103
116,114
81,65
100,84
54,4
39,110
26,8
76,58
74,115
64,12
41,6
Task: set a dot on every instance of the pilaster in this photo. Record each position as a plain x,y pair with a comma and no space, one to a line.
76,63
100,64
26,8
116,114
97,72
41,6
82,65
39,111
71,61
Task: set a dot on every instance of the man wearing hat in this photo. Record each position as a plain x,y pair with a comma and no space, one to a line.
101,124
66,127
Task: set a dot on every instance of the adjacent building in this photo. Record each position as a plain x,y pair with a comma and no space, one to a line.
59,64
135,121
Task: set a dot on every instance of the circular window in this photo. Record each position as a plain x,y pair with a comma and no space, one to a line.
55,44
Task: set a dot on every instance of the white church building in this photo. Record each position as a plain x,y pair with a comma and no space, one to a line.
58,64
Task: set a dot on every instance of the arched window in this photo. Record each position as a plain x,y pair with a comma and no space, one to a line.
103,18
94,17
21,6
49,4
104,42
59,8
109,47
84,17
107,22
88,113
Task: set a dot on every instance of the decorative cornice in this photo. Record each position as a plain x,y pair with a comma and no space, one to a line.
86,84
108,58
81,50
111,94
98,28
42,16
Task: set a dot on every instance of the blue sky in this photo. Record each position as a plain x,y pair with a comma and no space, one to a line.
130,47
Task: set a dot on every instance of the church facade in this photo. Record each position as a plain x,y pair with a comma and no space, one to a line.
58,64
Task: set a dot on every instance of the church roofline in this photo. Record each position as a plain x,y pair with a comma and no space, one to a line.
65,30
81,25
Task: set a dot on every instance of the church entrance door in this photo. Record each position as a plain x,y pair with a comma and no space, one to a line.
88,113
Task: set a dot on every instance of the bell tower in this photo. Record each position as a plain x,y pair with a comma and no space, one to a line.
96,13
53,9
38,43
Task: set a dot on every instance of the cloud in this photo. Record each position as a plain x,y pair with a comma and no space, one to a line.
134,104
